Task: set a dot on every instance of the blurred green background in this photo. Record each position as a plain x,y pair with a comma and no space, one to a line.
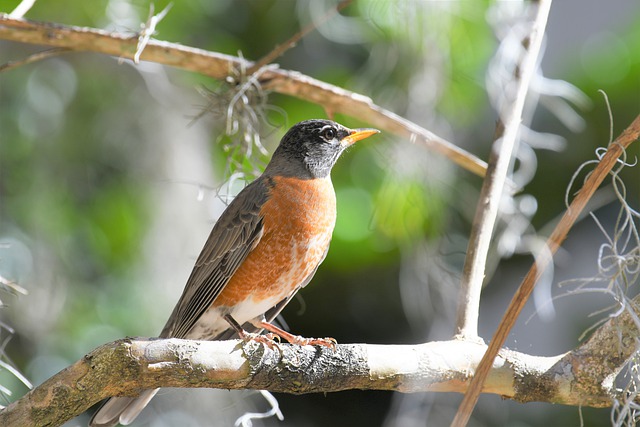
108,187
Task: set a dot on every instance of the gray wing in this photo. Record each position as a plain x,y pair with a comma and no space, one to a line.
236,233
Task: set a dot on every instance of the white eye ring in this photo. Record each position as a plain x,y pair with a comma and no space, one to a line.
328,134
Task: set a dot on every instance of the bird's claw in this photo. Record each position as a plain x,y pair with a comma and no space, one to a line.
325,342
269,340
297,339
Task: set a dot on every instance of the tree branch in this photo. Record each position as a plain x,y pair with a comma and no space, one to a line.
293,40
581,377
490,195
219,66
494,183
607,162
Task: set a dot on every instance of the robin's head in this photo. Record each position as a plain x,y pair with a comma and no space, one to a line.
310,148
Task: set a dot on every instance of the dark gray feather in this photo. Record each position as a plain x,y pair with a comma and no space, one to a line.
236,233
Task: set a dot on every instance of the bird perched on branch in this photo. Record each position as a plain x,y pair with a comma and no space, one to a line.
266,245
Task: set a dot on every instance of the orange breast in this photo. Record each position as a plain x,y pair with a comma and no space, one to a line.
299,218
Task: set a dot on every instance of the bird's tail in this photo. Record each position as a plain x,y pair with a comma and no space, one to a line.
122,410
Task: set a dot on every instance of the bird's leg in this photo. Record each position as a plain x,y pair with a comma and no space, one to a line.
297,339
267,339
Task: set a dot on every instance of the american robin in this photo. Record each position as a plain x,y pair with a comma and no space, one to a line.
267,244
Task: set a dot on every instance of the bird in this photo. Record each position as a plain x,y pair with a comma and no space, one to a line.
266,245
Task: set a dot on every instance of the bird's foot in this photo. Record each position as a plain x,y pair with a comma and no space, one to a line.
325,342
297,339
269,340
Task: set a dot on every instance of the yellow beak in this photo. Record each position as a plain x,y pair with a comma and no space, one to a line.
358,134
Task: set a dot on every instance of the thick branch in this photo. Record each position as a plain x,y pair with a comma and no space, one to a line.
582,377
218,66
125,367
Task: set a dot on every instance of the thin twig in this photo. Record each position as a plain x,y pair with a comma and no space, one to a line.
280,49
22,8
494,183
38,56
16,373
217,65
149,29
11,286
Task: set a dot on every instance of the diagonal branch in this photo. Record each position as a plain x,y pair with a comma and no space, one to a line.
38,56
219,66
293,40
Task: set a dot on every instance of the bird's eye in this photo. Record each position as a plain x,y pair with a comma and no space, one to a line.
329,134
